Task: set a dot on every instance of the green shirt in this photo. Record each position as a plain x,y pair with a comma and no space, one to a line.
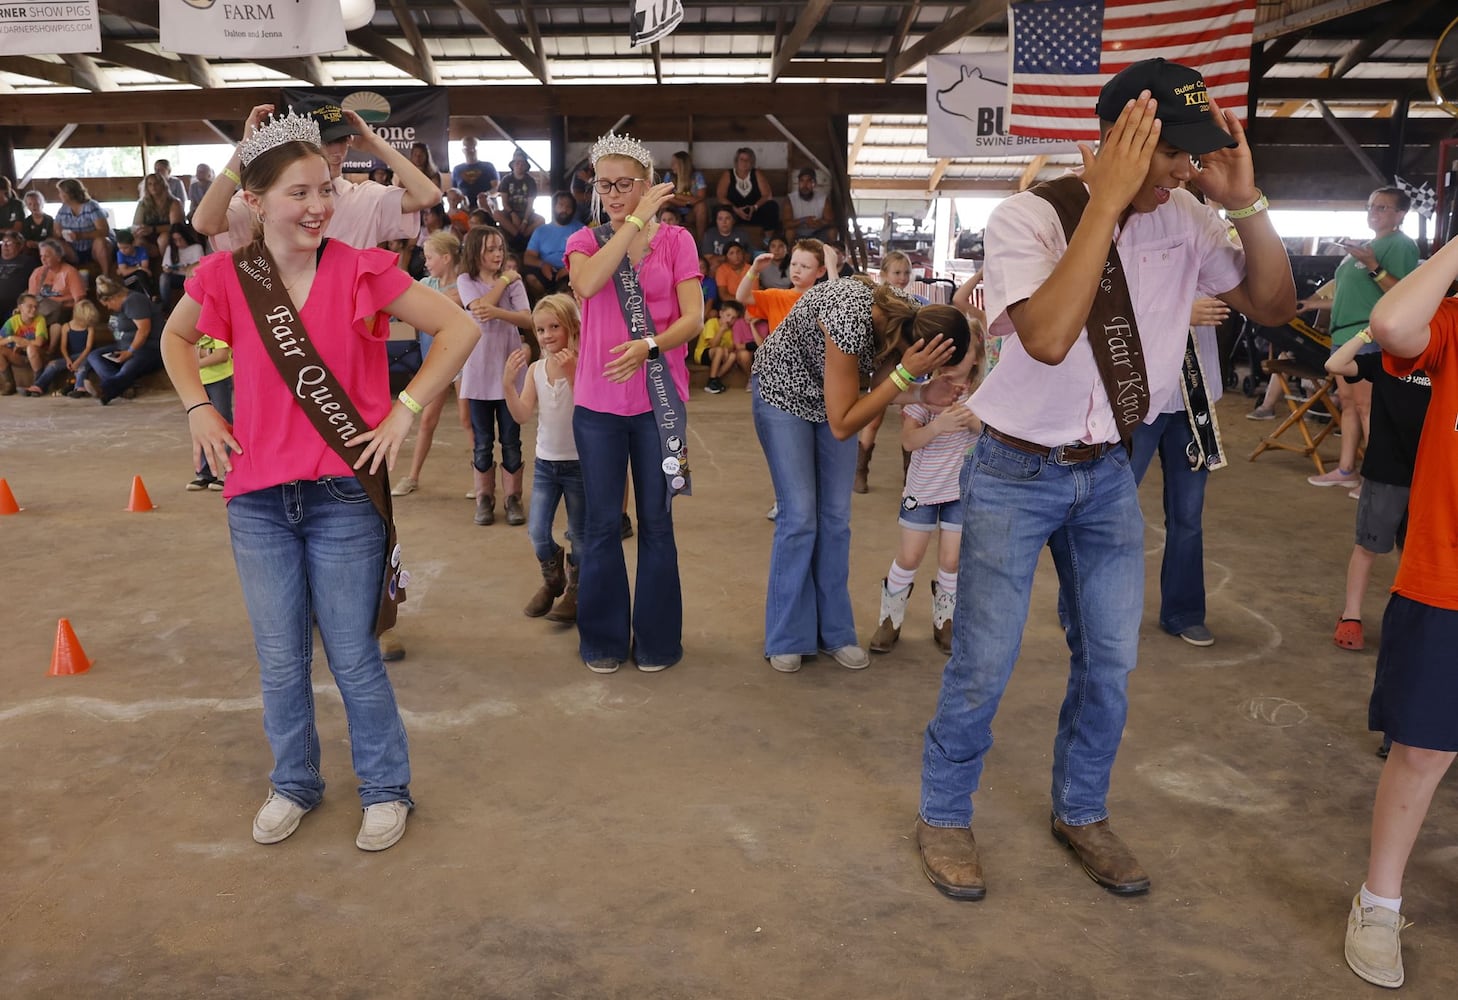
1357,293
214,373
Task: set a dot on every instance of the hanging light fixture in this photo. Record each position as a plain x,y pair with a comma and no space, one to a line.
357,13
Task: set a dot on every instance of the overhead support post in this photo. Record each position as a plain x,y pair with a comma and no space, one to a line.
56,143
1352,145
964,22
502,33
810,16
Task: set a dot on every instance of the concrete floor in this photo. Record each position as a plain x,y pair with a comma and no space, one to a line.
717,830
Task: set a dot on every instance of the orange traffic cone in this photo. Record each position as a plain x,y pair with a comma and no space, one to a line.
7,500
140,502
69,658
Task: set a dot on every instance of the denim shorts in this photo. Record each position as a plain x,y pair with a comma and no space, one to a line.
1381,516
928,516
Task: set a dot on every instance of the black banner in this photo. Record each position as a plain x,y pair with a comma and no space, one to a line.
402,115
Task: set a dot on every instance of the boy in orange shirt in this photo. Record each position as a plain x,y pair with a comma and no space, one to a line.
1416,688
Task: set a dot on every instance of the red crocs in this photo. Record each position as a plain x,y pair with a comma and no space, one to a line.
1349,634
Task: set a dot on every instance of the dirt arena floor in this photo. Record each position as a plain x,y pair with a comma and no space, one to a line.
714,831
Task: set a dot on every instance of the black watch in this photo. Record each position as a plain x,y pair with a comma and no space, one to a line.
653,351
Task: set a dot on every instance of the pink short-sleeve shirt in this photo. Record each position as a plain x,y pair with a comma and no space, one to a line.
345,319
672,258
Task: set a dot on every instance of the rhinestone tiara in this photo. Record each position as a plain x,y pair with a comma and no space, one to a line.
621,145
276,131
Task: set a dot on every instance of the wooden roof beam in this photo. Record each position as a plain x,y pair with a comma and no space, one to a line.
369,40
939,169
307,68
903,27
534,31
810,17
503,35
1030,172
411,30
964,22
87,74
39,69
124,55
860,140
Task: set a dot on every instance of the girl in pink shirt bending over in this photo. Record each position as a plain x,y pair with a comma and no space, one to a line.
307,540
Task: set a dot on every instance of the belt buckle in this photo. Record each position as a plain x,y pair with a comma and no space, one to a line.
1059,457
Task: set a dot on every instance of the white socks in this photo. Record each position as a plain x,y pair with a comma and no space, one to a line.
946,582
1370,898
898,579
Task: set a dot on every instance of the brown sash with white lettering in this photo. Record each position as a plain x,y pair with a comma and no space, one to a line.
322,398
1112,331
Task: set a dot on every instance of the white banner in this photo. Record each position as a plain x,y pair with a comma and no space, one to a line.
234,30
966,110
653,20
49,27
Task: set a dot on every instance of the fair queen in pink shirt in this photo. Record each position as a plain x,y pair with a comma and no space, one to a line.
308,543
614,421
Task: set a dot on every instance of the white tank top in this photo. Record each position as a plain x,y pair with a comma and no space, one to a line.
554,417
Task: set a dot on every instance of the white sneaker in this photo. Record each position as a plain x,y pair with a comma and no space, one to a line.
278,818
1373,949
383,825
774,511
785,663
404,487
852,657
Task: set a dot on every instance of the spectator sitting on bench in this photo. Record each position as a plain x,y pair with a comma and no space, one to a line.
179,260
746,190
82,226
37,225
136,325
729,274
157,212
690,201
72,344
16,266
716,240
808,210
56,283
23,341
131,263
544,265
518,191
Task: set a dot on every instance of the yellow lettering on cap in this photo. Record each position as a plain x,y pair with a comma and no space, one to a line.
1194,97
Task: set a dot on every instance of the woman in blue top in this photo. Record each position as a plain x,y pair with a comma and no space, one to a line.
690,197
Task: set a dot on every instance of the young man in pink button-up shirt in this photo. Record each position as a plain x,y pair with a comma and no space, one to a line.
1049,469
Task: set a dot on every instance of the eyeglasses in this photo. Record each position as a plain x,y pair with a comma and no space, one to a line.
622,185
1381,208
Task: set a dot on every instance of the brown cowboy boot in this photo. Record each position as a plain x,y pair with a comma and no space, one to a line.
485,498
1106,858
566,610
514,512
950,861
863,467
553,583
893,613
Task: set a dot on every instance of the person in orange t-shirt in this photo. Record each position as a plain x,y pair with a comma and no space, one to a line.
735,267
808,264
1416,688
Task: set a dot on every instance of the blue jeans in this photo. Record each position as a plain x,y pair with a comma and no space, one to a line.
1088,514
116,378
553,482
1182,571
487,415
220,394
808,604
314,552
609,622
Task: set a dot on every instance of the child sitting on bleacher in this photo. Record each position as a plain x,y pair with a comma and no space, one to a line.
22,341
75,341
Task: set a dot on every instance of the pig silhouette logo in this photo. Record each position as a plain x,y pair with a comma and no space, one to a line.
959,99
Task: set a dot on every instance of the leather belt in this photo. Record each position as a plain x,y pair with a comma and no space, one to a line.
1063,454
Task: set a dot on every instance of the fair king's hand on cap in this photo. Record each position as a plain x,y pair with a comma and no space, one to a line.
1228,175
1116,173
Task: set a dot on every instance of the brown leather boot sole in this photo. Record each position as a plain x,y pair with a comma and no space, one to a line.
949,860
1106,858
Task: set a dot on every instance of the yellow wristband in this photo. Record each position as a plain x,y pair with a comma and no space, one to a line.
232,175
898,380
1261,204
1364,336
410,403
636,221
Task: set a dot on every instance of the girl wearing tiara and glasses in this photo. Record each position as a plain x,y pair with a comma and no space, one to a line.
632,261
308,540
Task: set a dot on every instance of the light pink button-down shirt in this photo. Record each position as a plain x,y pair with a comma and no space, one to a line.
365,215
1171,256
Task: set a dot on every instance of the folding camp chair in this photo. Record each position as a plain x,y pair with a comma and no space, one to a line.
1289,374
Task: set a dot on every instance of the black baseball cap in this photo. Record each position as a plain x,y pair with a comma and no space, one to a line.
333,126
1184,104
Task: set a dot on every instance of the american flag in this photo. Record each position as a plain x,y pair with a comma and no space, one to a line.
1064,51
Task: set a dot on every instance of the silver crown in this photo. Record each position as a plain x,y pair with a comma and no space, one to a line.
276,131
621,145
